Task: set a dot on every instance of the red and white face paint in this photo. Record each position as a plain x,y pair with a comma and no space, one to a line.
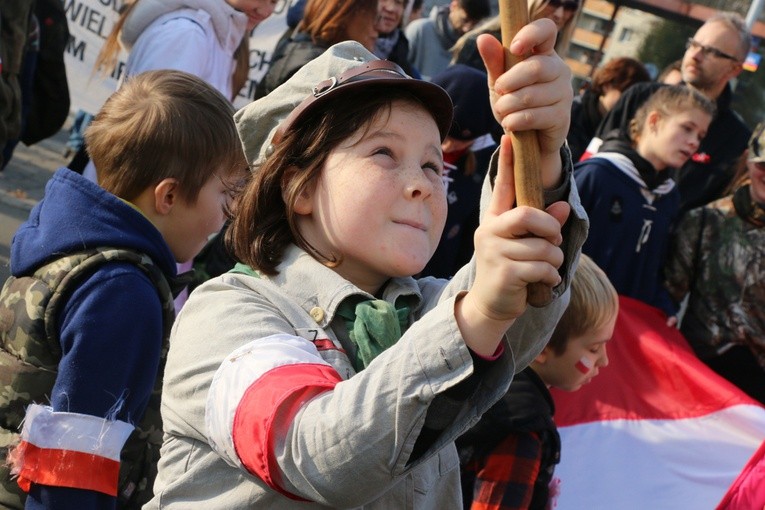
584,365
582,360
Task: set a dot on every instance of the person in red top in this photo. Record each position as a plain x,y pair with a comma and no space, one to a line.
507,460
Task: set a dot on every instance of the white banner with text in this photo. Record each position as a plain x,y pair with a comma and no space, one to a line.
90,23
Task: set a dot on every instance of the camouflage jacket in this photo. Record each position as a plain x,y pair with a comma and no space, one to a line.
717,258
31,351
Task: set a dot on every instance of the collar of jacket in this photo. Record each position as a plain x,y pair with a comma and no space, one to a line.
618,142
313,285
723,100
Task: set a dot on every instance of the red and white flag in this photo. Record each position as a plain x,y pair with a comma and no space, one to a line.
656,428
748,491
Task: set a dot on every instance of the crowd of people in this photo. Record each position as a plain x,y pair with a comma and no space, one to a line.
362,336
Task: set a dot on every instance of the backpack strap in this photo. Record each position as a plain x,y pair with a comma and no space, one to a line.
68,272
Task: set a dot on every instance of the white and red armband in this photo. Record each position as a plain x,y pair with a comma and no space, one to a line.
73,450
255,395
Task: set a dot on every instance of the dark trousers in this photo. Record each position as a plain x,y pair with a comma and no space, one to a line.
739,366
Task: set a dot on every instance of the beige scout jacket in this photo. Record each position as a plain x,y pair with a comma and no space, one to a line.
349,447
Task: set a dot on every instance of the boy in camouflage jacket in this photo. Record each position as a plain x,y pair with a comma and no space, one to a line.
717,260
80,368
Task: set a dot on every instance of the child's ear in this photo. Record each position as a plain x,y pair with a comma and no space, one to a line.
166,195
652,120
542,356
304,200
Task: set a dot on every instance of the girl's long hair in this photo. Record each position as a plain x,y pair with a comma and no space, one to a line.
106,61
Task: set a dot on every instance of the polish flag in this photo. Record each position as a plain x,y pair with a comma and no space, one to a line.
656,428
748,491
584,365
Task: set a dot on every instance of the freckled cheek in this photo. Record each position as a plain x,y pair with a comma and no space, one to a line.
439,212
439,198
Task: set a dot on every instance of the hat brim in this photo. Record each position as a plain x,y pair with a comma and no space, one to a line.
374,74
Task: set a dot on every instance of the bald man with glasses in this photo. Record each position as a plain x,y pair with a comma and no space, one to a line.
713,57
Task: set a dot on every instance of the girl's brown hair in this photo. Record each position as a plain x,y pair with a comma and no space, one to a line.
668,100
264,222
619,73
106,60
326,21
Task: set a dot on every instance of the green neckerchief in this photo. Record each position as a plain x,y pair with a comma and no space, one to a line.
373,325
244,269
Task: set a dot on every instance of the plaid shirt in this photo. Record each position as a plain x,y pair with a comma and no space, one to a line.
507,459
505,478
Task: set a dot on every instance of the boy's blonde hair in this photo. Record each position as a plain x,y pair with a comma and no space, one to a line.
669,100
164,124
594,302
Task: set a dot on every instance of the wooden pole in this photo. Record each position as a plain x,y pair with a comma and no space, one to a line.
514,14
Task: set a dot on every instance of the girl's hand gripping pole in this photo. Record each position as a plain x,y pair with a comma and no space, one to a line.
514,14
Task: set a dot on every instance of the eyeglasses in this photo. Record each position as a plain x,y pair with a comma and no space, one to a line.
708,50
568,5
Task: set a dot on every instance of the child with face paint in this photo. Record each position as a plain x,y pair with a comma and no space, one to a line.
507,460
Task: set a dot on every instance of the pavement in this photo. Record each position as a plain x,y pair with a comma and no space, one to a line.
22,185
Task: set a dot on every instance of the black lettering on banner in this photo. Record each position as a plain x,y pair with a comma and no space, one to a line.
115,5
249,90
88,18
258,60
119,70
76,48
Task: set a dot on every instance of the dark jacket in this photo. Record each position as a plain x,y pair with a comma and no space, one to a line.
291,54
14,27
630,221
399,53
50,102
708,173
585,118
